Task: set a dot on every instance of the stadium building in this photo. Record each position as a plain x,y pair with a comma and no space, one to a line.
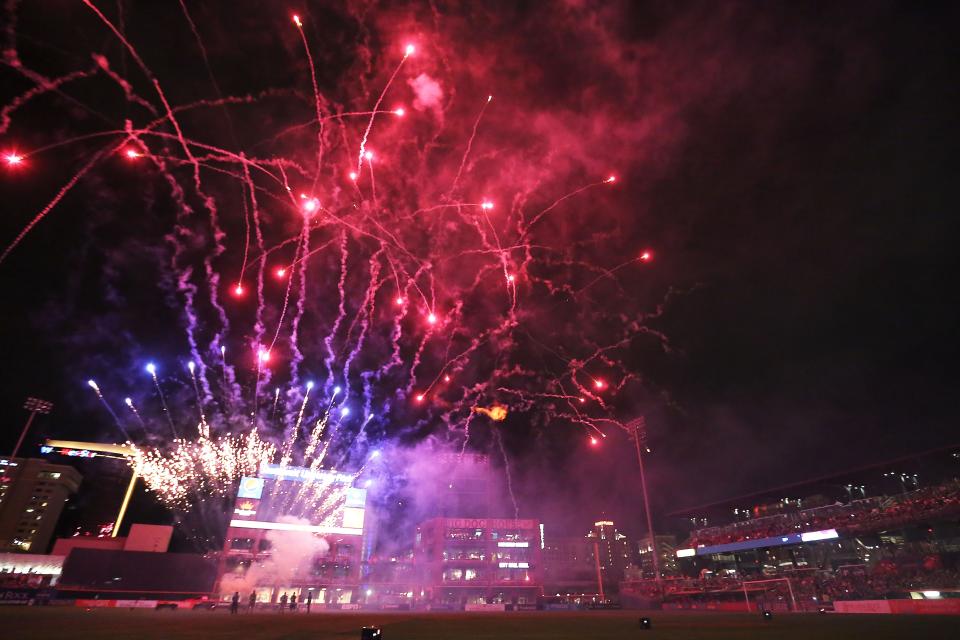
473,562
296,531
884,532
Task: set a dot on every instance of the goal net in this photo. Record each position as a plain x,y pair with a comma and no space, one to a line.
775,594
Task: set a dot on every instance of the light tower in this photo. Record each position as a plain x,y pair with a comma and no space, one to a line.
34,406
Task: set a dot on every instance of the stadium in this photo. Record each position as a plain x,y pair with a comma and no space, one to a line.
458,319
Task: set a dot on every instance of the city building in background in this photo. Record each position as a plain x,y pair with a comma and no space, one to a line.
478,561
667,553
569,566
614,550
296,531
32,495
614,554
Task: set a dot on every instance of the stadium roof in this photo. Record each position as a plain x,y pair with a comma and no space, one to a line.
828,484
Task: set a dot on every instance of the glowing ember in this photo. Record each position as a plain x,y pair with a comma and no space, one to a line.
310,205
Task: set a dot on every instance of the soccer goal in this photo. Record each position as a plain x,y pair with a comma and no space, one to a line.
766,591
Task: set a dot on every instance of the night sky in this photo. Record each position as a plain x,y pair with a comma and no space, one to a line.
791,166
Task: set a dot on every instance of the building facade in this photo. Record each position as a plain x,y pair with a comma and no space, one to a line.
569,566
615,554
666,554
476,561
296,531
32,496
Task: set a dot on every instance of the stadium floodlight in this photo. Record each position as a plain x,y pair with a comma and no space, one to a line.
34,406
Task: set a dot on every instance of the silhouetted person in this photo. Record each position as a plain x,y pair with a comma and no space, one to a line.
293,603
283,602
235,602
253,600
309,600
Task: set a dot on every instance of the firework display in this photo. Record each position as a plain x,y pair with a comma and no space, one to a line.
351,262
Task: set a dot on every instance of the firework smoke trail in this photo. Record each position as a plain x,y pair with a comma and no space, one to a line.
206,64
316,97
152,370
341,314
41,88
133,409
223,367
94,159
212,277
506,469
296,356
96,389
362,317
276,399
189,291
246,244
286,296
376,108
466,153
184,286
466,432
525,230
258,327
196,388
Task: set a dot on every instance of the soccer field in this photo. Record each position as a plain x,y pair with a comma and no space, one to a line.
56,623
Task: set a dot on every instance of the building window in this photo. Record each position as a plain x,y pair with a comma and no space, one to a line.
464,534
241,543
457,575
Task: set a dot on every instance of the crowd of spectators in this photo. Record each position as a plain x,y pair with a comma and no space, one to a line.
897,570
856,517
810,589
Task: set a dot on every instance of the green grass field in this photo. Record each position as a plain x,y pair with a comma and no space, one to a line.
58,623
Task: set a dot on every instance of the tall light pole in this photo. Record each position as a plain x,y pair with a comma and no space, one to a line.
639,428
34,406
